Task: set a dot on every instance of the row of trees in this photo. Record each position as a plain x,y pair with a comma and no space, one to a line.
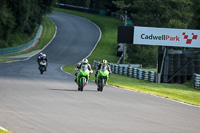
96,4
21,17
184,14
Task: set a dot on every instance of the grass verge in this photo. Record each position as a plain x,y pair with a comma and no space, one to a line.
184,93
3,131
48,33
6,59
107,47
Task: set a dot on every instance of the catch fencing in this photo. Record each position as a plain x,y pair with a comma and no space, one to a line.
17,49
131,70
197,81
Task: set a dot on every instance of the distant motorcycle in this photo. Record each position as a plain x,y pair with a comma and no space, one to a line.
83,77
102,77
42,66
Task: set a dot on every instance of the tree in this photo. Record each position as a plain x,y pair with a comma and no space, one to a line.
196,15
21,17
155,13
6,23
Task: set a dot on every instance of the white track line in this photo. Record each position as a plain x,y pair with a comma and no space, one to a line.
3,129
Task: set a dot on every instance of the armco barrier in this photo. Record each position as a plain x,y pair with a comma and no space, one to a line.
196,81
131,70
17,49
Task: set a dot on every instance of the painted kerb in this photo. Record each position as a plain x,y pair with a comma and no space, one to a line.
17,49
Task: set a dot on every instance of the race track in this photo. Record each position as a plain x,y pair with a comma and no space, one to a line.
50,103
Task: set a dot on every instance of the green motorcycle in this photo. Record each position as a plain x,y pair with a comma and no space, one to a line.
83,76
102,77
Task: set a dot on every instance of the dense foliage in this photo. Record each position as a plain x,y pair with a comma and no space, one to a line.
97,4
20,18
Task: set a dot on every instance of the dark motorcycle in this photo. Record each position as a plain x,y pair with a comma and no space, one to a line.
42,66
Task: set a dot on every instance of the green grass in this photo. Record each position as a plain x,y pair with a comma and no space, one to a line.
2,131
153,69
184,93
6,60
107,47
48,33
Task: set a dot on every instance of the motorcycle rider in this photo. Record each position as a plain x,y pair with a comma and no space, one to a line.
83,62
103,62
78,66
39,58
42,57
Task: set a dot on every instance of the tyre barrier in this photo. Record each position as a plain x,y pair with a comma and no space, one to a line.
131,70
197,81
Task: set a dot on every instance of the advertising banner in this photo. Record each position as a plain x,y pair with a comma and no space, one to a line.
166,37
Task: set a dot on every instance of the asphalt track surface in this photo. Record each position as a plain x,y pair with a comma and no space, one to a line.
50,103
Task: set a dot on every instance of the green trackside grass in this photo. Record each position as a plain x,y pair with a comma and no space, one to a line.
2,131
107,49
6,60
47,34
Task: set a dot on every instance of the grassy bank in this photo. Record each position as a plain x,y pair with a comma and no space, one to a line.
108,43
2,131
184,93
48,33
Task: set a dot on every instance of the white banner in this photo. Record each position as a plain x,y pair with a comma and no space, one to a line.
166,37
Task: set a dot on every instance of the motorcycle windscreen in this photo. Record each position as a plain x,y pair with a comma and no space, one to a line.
104,68
84,67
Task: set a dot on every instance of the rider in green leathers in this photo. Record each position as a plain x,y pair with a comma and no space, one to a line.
83,62
103,62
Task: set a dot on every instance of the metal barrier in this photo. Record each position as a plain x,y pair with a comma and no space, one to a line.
131,70
17,49
196,81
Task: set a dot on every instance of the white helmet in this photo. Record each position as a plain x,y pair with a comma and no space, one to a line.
84,61
44,56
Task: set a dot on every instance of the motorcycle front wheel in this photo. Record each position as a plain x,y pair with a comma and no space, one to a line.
41,70
82,84
100,84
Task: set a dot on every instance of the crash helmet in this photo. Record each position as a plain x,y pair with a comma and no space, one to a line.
78,64
44,56
40,53
84,61
104,62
